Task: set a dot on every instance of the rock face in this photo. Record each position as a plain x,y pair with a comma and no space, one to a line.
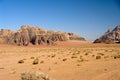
34,35
111,36
73,36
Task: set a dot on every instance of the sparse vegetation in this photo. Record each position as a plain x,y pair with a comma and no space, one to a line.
80,60
98,57
34,76
78,64
49,68
21,61
86,54
49,59
36,61
93,55
106,56
32,58
100,54
55,63
117,56
53,55
73,56
64,59
42,61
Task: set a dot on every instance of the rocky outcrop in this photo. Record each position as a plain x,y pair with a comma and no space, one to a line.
111,36
35,35
5,34
73,36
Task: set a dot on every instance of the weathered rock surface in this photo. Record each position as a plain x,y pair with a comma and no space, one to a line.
73,36
111,36
34,35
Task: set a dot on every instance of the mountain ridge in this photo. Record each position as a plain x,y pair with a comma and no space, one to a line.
35,35
111,36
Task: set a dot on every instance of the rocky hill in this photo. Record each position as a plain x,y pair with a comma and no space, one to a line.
35,35
111,36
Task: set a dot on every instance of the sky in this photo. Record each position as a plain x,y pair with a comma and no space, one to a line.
87,18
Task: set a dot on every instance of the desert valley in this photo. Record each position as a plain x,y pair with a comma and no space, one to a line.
72,60
65,59
59,39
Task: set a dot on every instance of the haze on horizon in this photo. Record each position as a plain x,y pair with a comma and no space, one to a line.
88,18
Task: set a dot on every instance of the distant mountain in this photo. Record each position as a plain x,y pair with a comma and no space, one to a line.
35,35
111,36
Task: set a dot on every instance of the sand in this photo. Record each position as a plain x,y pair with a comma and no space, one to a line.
71,60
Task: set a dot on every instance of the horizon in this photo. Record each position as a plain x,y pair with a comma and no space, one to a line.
88,18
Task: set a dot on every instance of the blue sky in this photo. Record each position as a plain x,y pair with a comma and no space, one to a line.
88,18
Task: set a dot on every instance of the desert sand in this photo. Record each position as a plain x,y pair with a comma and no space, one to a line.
71,60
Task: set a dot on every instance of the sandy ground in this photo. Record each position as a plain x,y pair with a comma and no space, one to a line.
72,60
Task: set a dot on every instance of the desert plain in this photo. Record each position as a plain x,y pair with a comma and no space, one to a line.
70,60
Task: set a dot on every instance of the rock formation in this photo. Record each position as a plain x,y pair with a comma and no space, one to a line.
111,36
73,36
35,35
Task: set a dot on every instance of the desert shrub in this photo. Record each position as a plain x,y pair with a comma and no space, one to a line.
116,56
106,57
49,68
81,56
98,57
78,64
42,61
21,61
100,54
53,55
32,58
86,54
34,76
36,61
48,56
78,52
55,62
93,55
73,56
64,59
80,60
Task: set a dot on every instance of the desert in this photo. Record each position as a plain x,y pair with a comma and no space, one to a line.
59,39
71,60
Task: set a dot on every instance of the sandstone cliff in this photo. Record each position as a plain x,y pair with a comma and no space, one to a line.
35,35
111,36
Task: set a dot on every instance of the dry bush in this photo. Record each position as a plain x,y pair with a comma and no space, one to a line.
34,76
86,53
42,61
73,56
21,61
98,57
36,61
32,58
117,56
64,59
53,55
